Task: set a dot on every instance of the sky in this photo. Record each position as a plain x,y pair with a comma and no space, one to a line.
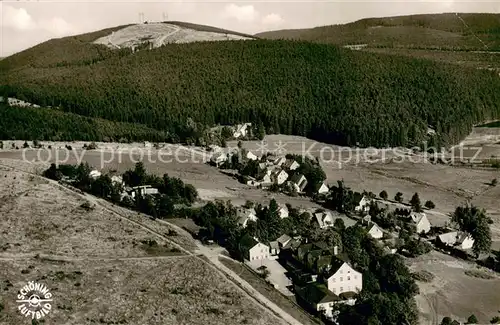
25,23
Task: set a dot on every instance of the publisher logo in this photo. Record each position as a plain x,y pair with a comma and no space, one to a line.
34,300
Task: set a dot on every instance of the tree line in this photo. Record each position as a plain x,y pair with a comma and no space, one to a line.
53,125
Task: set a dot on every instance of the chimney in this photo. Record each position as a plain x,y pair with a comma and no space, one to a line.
335,250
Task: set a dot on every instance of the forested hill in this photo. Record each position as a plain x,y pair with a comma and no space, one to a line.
464,31
316,90
467,39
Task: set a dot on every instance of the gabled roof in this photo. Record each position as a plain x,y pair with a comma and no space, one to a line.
283,239
248,242
417,216
314,293
373,226
274,245
454,237
337,262
462,236
293,244
448,238
296,178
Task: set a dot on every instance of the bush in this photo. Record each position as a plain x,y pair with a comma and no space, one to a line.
430,205
92,146
87,206
495,320
383,195
398,197
472,319
423,276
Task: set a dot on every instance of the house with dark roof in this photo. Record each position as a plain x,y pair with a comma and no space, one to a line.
252,249
317,298
299,181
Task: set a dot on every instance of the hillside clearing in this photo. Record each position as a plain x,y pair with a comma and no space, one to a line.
102,279
159,34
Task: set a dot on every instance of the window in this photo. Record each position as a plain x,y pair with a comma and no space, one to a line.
341,279
348,278
334,290
355,277
341,289
333,280
341,272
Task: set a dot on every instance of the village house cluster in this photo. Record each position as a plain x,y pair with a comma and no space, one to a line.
321,276
277,170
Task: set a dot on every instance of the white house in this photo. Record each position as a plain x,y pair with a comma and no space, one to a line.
283,240
95,173
283,212
147,144
375,231
324,219
251,156
245,215
421,222
267,180
253,182
218,158
363,205
274,248
279,161
464,241
323,189
241,130
144,190
291,164
253,249
319,298
343,278
459,239
299,181
279,176
117,180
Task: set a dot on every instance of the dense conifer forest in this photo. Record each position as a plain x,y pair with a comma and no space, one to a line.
53,125
315,90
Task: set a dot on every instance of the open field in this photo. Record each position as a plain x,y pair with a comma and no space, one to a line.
160,34
161,291
40,219
96,266
454,293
